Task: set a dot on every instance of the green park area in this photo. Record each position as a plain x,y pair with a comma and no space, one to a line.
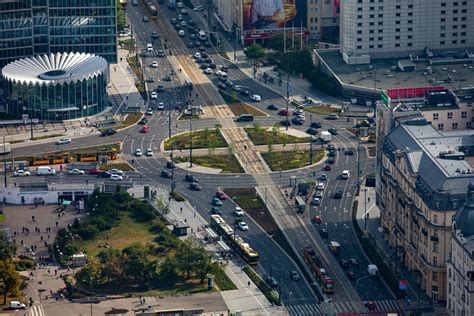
131,250
322,110
228,163
207,138
288,160
262,136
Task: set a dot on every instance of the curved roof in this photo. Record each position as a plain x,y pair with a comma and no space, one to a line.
464,218
52,69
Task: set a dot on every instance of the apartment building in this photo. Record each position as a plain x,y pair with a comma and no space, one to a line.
230,14
35,27
323,19
387,29
423,176
461,265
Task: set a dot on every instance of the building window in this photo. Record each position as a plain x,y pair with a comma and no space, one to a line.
381,46
435,116
440,126
435,219
464,114
449,288
441,42
468,125
435,247
435,263
434,276
450,115
455,125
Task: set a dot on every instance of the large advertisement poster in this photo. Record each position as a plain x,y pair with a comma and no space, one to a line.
336,8
270,16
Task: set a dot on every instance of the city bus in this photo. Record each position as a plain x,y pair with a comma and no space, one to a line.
152,10
189,83
235,241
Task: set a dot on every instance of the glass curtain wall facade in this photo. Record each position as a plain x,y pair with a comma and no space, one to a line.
33,27
58,102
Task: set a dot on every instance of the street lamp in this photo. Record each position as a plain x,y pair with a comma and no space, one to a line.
190,143
311,142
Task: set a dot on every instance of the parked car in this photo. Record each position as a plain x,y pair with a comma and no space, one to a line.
327,167
333,131
216,211
21,173
117,171
243,226
316,201
238,211
217,202
109,132
324,233
76,171
63,141
319,194
350,274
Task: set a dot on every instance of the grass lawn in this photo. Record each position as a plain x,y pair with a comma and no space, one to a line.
2,217
125,234
228,164
288,160
131,119
222,280
187,117
96,148
17,141
261,137
200,139
119,165
322,110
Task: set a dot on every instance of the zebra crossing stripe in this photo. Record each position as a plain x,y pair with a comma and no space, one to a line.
37,310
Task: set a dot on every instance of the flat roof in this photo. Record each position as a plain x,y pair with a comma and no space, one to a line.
361,75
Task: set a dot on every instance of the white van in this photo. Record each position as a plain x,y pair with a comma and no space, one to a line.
149,47
45,171
345,174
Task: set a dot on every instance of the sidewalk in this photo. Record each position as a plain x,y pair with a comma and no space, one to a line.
247,298
415,298
122,92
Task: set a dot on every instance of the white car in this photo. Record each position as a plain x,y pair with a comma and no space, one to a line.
180,5
181,33
149,152
208,71
198,8
116,177
238,211
138,152
197,55
320,186
76,171
154,64
183,23
154,95
124,34
319,194
116,171
161,106
255,98
63,141
316,201
149,111
21,173
243,226
17,305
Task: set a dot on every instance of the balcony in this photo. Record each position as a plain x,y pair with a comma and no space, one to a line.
424,231
434,238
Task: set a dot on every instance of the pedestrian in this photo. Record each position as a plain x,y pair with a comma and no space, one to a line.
248,283
45,244
57,224
49,271
41,238
55,272
21,241
48,237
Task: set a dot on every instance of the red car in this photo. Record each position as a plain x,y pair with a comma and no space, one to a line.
327,167
221,195
145,129
283,112
95,171
317,219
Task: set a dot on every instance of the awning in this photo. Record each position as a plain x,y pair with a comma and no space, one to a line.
66,202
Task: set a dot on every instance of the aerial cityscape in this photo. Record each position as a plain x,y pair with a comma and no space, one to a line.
237,157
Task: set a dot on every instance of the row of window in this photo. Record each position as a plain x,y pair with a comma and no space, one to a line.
82,12
74,40
449,115
454,125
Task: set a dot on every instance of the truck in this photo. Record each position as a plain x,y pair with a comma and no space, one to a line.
372,269
335,247
325,136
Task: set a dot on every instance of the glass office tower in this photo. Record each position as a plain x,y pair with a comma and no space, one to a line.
34,27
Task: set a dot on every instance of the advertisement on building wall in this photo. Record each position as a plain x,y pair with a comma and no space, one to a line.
336,7
261,18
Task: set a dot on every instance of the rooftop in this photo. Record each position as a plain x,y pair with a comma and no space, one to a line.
387,78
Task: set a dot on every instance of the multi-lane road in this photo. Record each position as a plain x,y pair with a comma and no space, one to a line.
335,213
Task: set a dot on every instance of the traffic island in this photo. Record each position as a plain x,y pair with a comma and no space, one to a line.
225,163
289,160
322,110
237,107
263,136
207,138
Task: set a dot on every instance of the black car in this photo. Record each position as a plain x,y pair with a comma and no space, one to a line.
154,35
207,44
191,22
351,275
150,79
312,131
272,107
225,68
165,174
332,153
161,53
170,165
191,45
212,66
272,282
207,59
284,122
143,121
161,89
177,26
167,78
195,186
333,131
338,194
331,160
109,132
203,66
324,233
201,49
331,147
344,263
216,211
104,174
204,55
297,121
245,92
350,152
197,43
199,60
316,125
229,83
191,178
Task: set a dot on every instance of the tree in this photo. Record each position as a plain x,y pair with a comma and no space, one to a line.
10,279
270,144
90,275
7,249
277,42
275,129
218,127
112,266
206,133
187,256
234,97
168,270
136,262
254,52
202,264
212,145
231,150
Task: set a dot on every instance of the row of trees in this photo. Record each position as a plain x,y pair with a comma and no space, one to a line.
132,266
10,281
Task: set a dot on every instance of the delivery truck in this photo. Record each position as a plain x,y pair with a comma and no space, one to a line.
325,136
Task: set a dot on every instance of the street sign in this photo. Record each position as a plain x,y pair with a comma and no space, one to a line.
403,284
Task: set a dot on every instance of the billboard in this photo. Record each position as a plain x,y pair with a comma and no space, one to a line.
336,8
271,16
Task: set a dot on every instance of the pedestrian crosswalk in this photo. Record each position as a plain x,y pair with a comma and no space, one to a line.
337,308
36,310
